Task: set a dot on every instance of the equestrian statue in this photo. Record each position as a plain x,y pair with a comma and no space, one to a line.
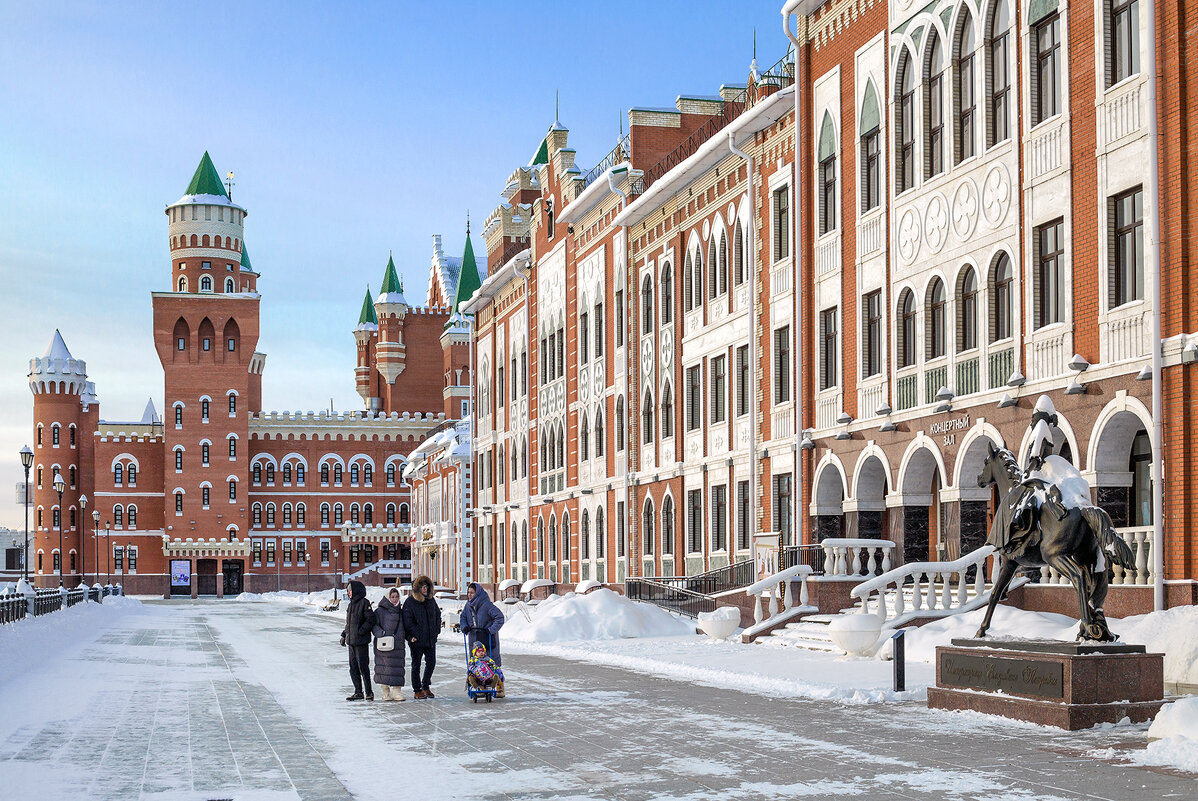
1045,517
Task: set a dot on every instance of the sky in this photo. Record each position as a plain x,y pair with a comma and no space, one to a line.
352,130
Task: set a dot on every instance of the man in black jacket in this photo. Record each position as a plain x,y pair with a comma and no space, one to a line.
422,625
359,625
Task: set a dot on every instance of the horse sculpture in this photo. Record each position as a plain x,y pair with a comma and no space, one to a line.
1041,522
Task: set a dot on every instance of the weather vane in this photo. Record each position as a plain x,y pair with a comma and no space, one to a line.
229,183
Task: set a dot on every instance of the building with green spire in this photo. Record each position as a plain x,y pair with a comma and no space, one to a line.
206,181
468,278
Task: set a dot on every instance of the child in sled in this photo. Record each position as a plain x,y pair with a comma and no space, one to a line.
481,671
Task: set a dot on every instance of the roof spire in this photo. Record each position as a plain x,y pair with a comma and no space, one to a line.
753,63
368,317
390,277
467,223
206,181
468,278
557,108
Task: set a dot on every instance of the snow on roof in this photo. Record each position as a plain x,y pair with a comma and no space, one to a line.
150,415
57,348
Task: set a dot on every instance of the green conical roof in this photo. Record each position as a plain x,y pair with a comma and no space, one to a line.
206,181
245,259
542,156
368,315
390,278
468,280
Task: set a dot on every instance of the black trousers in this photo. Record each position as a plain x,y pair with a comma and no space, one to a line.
359,668
429,655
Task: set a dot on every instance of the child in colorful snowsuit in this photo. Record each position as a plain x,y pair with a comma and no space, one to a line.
481,671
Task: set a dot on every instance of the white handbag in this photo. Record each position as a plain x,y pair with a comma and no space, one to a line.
384,644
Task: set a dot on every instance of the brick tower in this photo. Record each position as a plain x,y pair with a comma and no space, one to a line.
65,413
366,334
455,338
206,332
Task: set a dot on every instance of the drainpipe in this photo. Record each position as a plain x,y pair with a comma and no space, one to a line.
800,354
753,292
1154,266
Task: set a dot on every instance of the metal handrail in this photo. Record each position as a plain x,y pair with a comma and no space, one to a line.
721,579
676,599
621,152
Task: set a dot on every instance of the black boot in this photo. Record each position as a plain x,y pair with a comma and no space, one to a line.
355,697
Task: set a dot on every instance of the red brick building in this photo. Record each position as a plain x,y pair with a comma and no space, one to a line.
220,493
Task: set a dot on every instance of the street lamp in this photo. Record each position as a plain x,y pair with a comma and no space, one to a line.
59,486
336,575
96,539
108,551
83,542
26,462
307,568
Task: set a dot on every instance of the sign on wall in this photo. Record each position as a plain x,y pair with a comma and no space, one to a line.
180,572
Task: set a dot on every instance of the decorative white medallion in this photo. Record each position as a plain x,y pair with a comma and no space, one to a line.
935,223
667,348
646,356
996,194
965,209
908,235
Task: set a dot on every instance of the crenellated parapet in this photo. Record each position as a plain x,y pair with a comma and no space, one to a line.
367,426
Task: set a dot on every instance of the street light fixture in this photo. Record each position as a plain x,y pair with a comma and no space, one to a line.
96,539
26,462
108,550
83,543
336,575
59,486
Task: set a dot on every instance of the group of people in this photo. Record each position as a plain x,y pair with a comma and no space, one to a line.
417,623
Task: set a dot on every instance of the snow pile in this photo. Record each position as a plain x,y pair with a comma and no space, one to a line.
1174,737
26,644
314,600
598,615
1173,632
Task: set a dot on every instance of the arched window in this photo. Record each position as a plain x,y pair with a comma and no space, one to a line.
182,285
300,513
118,515
287,472
697,266
667,411
270,515
324,472
967,310
935,319
353,474
206,283
205,408
178,415
232,489
1000,298
353,513
338,514
299,474
286,514
257,515
552,539
205,453
584,539
647,305
933,107
132,474
229,286
391,475
827,176
368,514
904,153
256,473
600,435
584,439
667,294
232,405
620,423
738,254
270,473
178,503
713,264
178,459
965,88
687,281
337,474
647,418
132,516
390,514
600,535
906,329
998,62
117,473
540,539
723,272
205,496
404,513
55,434
367,474
549,218
324,514
232,447
648,533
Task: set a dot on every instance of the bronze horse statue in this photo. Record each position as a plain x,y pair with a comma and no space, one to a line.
1034,526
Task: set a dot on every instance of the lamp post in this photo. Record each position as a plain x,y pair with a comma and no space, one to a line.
59,486
307,569
336,575
26,462
108,551
128,561
83,542
96,539
121,575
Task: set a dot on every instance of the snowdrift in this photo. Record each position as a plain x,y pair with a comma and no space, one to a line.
1173,736
1173,632
599,615
26,644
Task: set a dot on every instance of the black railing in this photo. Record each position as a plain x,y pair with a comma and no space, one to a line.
76,596
722,579
46,600
621,152
810,555
778,76
668,596
12,607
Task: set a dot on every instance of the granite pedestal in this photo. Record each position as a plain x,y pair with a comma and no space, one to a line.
1067,685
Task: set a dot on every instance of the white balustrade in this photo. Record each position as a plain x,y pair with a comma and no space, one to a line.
1045,150
1139,539
1121,114
869,399
1048,356
783,422
1128,338
827,409
929,589
781,280
827,255
871,235
847,558
775,590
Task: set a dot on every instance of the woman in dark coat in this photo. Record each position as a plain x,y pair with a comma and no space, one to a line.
359,625
481,621
389,664
422,626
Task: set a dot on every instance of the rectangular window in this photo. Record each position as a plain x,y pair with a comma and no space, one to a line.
182,343
324,552
621,530
905,155
584,341
781,223
1125,40
1050,273
1000,88
694,521
742,380
232,345
783,514
599,330
270,552
207,343
1128,263
871,170
718,390
719,517
935,107
1046,72
827,198
871,333
966,108
620,319
742,515
693,397
782,364
827,348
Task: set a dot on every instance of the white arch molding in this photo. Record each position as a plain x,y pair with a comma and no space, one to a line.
829,486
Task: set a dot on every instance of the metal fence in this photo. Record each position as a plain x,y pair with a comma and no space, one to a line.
17,606
12,607
722,579
676,599
810,555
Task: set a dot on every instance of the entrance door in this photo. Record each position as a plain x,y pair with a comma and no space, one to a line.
233,569
206,577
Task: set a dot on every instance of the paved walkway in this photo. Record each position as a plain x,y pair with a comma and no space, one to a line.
243,700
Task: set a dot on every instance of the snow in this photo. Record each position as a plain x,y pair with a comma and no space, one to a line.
1178,719
598,615
1056,472
582,587
1173,737
26,644
1173,632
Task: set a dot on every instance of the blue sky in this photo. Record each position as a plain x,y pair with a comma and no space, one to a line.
353,129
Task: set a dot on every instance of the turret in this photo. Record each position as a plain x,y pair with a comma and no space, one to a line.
366,335
455,338
391,309
62,425
206,238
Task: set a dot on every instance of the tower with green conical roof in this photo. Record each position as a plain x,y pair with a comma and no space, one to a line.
366,336
206,181
391,309
468,278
